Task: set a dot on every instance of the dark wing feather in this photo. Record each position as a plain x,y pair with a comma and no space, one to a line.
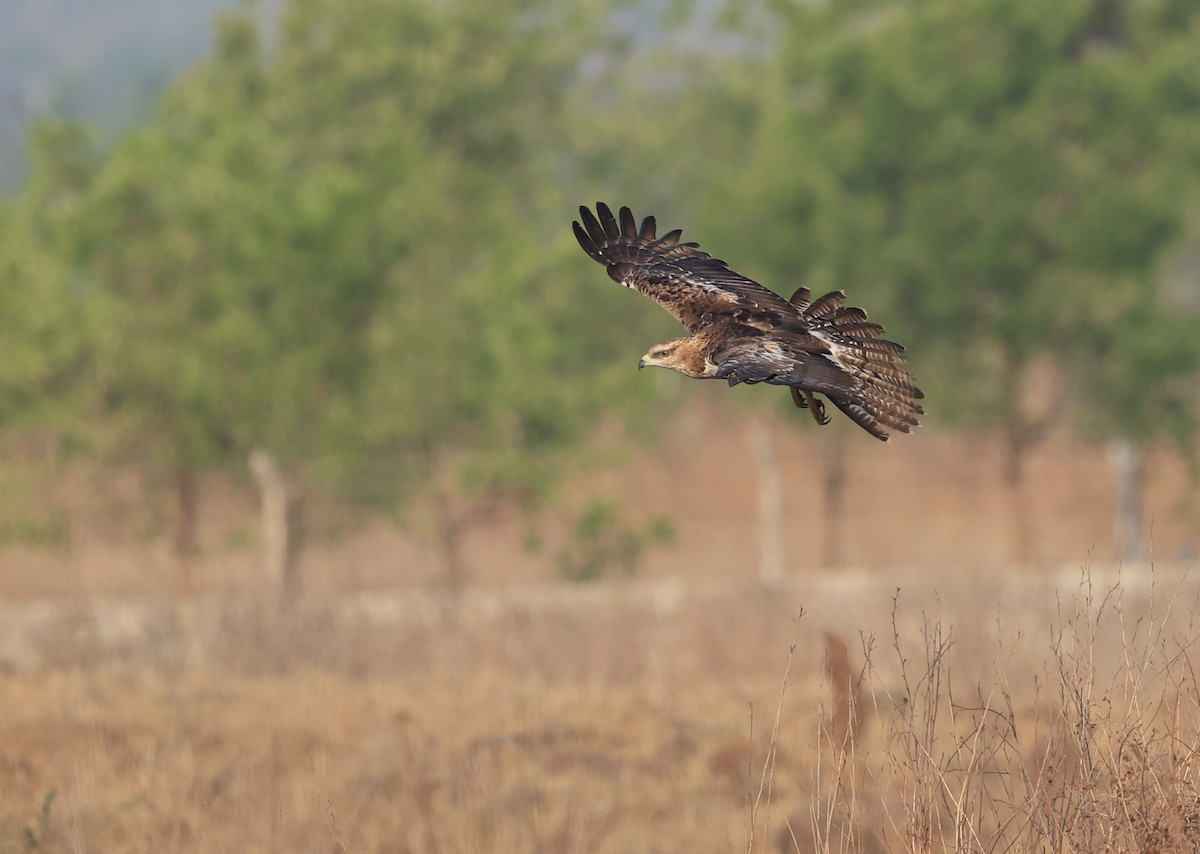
683,279
861,416
825,305
886,395
802,298
815,345
871,386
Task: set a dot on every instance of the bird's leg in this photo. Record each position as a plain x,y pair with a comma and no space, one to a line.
817,408
797,399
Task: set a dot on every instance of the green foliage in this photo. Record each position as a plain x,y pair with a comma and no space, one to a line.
23,520
43,834
351,251
997,179
352,248
1144,380
602,542
47,315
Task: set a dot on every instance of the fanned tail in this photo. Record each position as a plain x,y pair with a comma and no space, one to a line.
887,396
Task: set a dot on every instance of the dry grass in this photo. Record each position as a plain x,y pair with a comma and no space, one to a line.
317,762
948,716
1085,739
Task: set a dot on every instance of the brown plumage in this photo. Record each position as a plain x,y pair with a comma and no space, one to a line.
740,331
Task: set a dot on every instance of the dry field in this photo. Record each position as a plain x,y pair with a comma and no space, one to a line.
1059,714
926,696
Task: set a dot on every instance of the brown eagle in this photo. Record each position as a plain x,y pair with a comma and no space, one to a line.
744,333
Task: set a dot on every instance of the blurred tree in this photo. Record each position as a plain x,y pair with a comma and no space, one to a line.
347,252
176,234
46,320
998,180
453,125
45,313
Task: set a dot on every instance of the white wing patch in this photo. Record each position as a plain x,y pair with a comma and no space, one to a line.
835,355
835,350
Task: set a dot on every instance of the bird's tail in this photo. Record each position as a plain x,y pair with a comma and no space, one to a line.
886,397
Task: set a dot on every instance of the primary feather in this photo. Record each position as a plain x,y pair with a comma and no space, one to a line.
741,331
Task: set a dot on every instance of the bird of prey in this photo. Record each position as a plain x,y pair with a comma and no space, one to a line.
740,331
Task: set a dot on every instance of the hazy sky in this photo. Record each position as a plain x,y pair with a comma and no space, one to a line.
103,61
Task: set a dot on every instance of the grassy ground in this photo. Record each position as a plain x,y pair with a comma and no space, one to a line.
924,696
314,762
952,716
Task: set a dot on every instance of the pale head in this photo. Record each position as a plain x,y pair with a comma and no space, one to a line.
681,354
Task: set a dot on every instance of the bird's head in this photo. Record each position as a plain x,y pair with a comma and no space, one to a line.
676,355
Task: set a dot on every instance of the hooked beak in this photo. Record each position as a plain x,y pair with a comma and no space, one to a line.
642,363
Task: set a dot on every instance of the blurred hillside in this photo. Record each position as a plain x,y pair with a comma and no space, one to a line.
334,266
100,63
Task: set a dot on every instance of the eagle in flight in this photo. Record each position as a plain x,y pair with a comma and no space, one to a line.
744,333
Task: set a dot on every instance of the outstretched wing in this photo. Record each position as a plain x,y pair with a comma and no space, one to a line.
687,282
870,387
821,345
840,354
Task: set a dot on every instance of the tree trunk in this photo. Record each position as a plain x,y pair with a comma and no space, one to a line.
770,505
1016,451
279,518
1024,431
1125,457
834,477
183,538
451,531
